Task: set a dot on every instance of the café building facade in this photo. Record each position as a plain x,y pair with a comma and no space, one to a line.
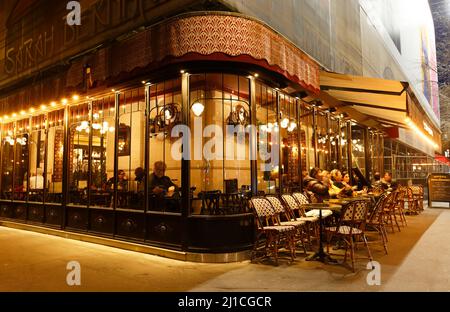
88,110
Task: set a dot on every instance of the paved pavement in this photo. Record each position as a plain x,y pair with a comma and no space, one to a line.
418,260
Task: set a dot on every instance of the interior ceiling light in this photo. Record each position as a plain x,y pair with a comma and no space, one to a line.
198,108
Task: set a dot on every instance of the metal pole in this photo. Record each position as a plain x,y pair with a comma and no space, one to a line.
253,138
349,150
280,176
316,156
368,162
146,153
66,150
185,166
116,154
89,182
299,139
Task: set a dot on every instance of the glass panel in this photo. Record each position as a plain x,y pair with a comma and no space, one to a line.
102,152
36,159
289,144
344,150
21,161
165,169
55,152
236,117
358,153
306,139
131,150
268,140
79,129
7,160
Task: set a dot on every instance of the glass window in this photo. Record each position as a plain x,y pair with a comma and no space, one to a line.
289,143
268,139
131,152
307,139
165,168
55,152
102,152
79,129
36,159
220,148
21,160
358,145
7,160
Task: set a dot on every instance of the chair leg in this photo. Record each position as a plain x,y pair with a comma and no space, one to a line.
352,253
367,247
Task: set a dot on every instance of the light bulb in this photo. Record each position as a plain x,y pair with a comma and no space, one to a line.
198,108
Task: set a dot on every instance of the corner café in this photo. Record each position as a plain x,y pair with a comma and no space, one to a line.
89,125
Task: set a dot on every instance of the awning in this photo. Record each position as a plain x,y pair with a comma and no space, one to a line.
381,99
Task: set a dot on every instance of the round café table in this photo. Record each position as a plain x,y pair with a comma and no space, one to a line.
321,255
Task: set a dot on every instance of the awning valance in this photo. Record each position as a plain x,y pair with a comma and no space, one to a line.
384,100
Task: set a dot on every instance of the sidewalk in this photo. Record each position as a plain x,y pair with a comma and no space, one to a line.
417,260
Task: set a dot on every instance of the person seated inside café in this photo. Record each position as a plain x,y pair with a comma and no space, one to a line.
388,183
338,187
139,174
122,181
37,180
162,188
376,183
315,188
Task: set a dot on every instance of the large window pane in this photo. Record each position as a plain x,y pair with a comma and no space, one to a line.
102,152
21,160
131,152
268,139
55,151
36,159
165,169
7,160
79,129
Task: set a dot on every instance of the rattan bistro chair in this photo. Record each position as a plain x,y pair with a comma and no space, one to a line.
268,227
375,222
351,228
283,212
302,200
312,223
390,216
417,191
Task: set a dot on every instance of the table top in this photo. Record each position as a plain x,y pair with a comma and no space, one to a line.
324,206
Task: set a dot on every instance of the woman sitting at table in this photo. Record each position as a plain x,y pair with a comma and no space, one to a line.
122,181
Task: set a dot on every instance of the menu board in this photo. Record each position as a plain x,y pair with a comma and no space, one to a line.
438,187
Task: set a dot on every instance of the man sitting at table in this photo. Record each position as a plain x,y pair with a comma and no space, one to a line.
160,184
37,180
